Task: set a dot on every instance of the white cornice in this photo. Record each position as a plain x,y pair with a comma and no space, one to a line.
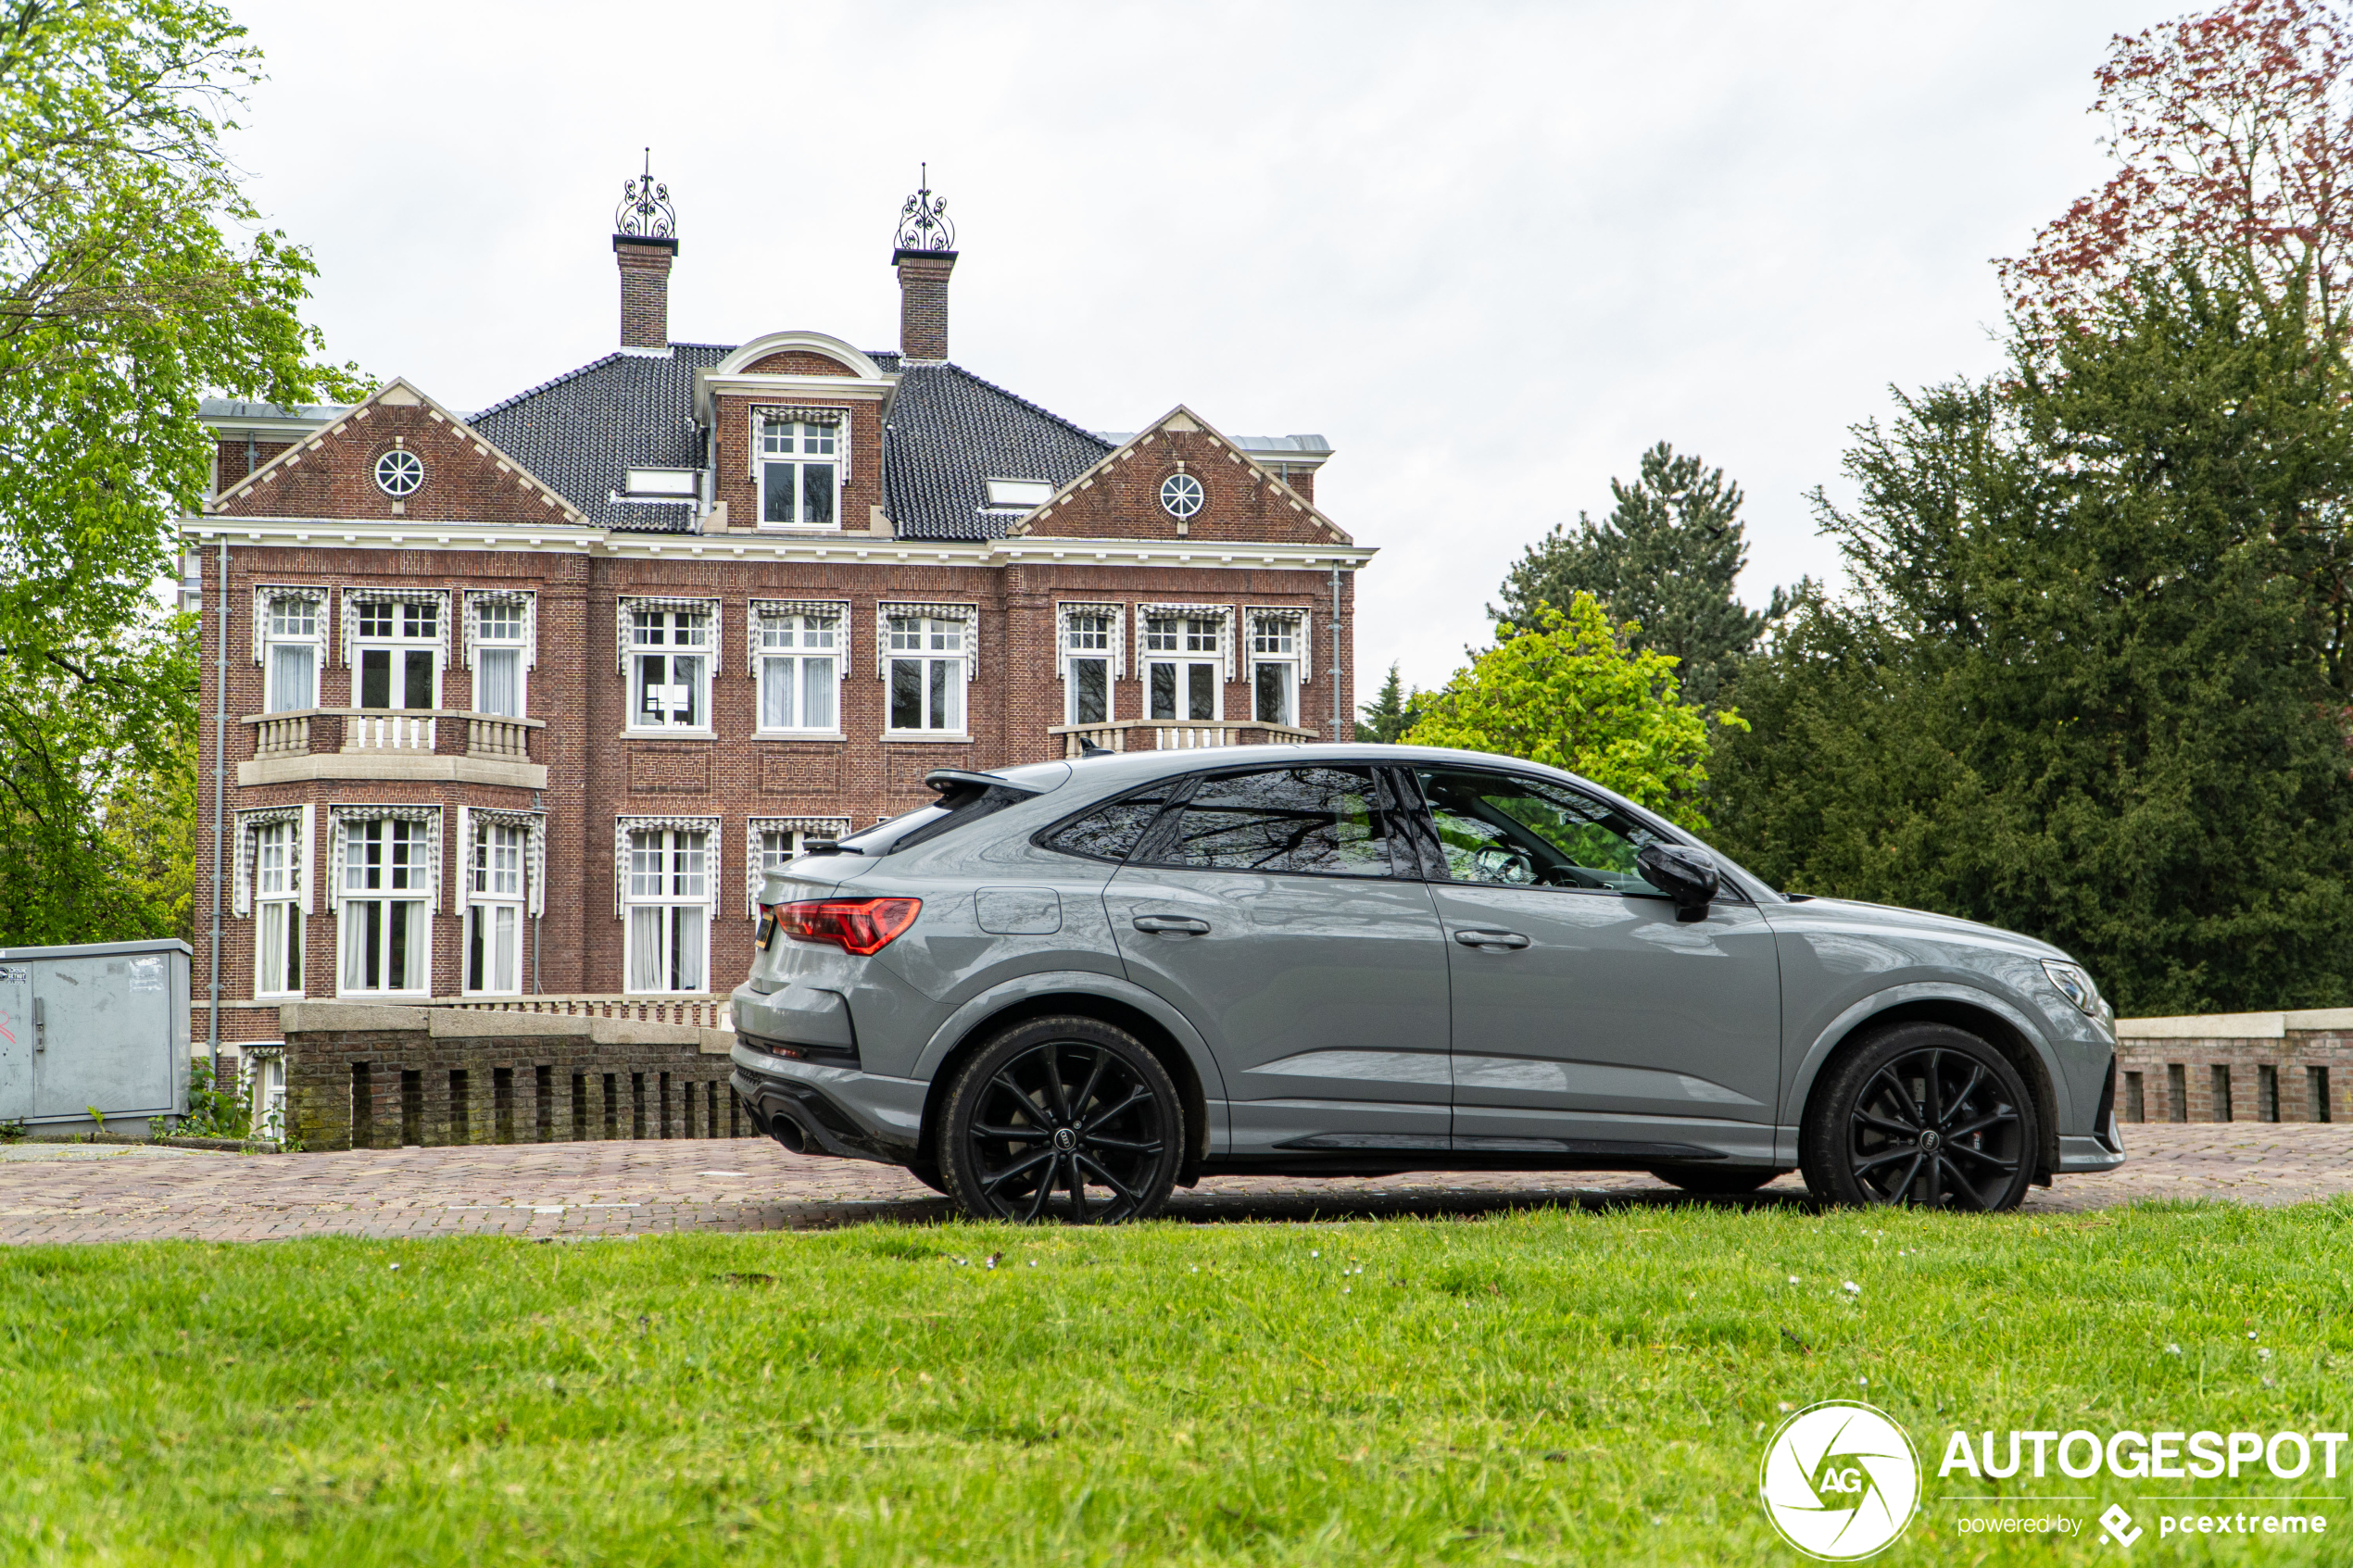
850,549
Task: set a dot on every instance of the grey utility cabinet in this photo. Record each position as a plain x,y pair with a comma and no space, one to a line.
105,1024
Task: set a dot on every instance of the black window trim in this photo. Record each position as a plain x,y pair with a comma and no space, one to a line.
1434,869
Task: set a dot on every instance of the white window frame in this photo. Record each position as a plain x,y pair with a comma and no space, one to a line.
504,624
273,887
764,853
1089,634
1279,639
412,623
665,871
388,857
670,630
497,874
1183,643
785,638
279,633
941,642
787,443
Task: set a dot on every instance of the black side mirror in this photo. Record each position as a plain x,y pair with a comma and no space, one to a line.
1689,876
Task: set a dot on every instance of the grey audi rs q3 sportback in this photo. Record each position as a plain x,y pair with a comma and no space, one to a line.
1066,989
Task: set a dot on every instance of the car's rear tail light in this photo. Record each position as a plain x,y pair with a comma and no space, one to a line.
863,926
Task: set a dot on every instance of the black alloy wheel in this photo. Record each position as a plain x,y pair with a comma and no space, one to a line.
1924,1115
1065,1119
1716,1181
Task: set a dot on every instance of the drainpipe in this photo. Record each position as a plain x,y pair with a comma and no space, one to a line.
538,804
219,788
1335,651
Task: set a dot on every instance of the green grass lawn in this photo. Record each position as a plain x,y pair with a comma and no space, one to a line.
1540,1387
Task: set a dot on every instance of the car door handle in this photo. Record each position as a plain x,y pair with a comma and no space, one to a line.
1490,939
1176,924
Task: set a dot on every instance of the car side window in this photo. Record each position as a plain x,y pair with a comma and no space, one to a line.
1512,831
1108,831
1319,821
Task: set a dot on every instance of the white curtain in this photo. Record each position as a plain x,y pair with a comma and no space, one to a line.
691,929
775,694
291,686
817,694
645,947
499,671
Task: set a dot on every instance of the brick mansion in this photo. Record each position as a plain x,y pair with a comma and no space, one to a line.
520,703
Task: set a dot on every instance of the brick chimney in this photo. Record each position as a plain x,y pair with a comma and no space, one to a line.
925,253
645,242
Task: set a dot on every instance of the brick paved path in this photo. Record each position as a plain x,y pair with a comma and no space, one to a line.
116,1193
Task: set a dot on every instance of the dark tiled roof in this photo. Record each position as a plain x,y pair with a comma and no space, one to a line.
950,431
583,432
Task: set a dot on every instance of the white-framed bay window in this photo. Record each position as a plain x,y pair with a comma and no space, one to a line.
668,647
273,887
1280,651
500,889
1089,643
800,655
774,843
289,643
802,464
502,646
666,873
927,654
386,881
395,640
1188,657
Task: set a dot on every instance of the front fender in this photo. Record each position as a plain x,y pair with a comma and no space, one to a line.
1071,982
1818,1051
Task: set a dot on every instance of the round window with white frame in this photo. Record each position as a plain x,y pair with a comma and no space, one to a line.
1180,495
399,472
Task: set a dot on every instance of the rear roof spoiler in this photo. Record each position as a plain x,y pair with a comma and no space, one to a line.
942,780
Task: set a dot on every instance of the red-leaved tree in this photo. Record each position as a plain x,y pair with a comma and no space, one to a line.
2235,143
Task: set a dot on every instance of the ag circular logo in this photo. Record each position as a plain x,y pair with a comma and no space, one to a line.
1840,1480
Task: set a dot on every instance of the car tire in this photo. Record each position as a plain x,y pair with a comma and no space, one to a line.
1924,1115
1721,1181
1053,1111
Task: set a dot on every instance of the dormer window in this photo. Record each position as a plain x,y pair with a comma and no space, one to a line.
799,473
1022,495
662,485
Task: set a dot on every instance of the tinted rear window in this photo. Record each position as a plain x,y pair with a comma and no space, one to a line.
1323,821
1108,831
960,807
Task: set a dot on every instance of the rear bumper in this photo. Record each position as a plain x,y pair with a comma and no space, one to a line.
816,1109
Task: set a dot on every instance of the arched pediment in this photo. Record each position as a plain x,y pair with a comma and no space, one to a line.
824,345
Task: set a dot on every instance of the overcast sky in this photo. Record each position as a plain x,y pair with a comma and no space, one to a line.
1492,252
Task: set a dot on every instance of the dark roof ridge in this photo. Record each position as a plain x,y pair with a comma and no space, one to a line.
578,371
1035,408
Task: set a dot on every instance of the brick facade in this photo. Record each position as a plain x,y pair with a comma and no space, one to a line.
2259,1067
312,515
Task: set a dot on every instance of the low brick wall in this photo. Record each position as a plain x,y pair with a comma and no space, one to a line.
385,1077
2236,1067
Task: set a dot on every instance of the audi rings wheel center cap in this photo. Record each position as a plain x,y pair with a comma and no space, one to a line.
1929,1140
1065,1139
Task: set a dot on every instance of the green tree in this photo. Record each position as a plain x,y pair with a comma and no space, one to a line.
1571,693
1667,558
135,281
2090,684
1393,713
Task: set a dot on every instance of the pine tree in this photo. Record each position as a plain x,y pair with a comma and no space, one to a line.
1666,558
1390,714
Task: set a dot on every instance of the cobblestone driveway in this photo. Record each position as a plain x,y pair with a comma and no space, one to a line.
115,1193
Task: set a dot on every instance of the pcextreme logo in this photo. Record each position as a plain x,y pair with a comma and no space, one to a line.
1840,1480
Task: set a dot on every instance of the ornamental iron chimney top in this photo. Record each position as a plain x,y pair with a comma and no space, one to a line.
922,222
